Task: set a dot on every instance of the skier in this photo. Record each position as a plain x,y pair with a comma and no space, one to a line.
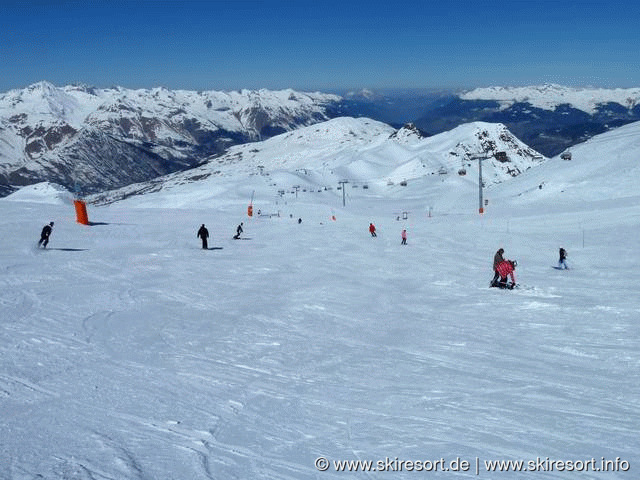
562,262
238,231
506,268
203,234
372,230
497,259
44,236
404,237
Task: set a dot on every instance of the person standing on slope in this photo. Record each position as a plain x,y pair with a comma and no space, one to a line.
44,235
238,231
404,237
504,269
497,259
562,262
372,230
203,234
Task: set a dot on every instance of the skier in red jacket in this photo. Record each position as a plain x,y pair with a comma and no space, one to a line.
372,230
504,269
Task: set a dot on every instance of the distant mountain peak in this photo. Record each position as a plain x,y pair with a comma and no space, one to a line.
408,132
550,96
42,87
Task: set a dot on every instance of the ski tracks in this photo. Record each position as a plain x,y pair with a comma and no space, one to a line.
124,463
89,323
8,384
213,456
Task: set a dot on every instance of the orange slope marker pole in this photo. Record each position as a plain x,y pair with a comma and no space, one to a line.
81,212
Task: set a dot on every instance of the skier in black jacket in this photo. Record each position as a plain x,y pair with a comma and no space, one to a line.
562,262
238,231
44,236
203,233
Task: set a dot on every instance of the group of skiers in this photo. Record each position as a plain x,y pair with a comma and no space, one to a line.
503,269
203,234
403,235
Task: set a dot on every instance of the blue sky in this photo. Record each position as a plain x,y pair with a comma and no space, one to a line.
319,45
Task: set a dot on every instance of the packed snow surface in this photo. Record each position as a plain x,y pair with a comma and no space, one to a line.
128,352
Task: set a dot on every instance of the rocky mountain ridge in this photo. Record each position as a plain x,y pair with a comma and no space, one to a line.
97,139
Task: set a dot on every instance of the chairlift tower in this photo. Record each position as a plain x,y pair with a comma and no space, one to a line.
480,157
342,184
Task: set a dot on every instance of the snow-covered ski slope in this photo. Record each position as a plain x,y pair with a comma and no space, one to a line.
127,352
364,152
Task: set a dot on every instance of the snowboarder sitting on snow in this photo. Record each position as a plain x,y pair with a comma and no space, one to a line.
238,231
372,230
44,236
562,262
497,259
203,233
504,269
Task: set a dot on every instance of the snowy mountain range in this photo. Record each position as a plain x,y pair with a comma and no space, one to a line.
363,152
94,139
549,118
105,138
550,97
